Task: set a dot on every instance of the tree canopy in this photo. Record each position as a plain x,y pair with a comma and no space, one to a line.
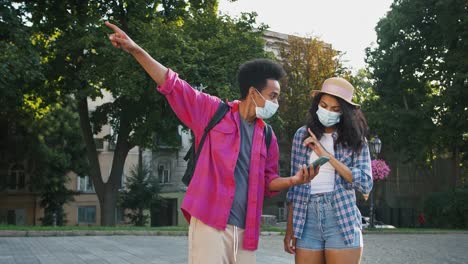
308,62
420,67
70,43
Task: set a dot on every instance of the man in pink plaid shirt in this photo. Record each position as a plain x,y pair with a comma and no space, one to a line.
235,170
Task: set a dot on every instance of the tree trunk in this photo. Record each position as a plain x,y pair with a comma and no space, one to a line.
140,160
456,166
371,209
108,203
405,102
113,185
106,192
91,152
140,221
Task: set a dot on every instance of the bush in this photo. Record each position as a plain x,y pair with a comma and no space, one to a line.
448,209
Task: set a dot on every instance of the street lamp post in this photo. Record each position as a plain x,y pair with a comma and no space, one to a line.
375,147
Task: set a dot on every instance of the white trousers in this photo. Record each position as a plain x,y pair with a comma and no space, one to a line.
208,245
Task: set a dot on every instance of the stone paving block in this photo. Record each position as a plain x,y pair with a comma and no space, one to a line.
138,249
26,260
49,259
6,259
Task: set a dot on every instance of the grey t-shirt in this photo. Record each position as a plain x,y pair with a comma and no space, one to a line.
241,175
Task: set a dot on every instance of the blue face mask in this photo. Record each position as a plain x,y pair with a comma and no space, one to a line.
328,118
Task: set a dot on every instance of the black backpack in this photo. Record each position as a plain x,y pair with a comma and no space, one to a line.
191,157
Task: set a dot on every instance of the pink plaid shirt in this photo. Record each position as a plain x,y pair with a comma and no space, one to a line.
211,192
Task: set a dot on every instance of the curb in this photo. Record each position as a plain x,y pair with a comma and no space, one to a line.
8,233
59,233
367,232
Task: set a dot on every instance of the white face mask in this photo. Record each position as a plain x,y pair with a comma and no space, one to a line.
268,110
328,118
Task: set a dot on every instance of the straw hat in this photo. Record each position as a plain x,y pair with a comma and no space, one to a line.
338,87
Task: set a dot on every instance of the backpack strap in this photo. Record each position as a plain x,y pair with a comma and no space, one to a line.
191,156
268,135
223,108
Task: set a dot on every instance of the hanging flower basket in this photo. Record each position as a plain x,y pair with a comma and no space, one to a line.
380,170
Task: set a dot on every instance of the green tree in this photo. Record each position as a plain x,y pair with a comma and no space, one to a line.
364,93
48,147
49,142
420,67
185,35
141,193
41,133
307,62
57,149
20,67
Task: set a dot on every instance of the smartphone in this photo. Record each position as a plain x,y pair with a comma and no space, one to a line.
320,161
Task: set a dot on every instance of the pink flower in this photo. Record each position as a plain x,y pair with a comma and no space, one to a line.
380,170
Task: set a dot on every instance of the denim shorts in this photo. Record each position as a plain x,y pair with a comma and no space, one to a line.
321,230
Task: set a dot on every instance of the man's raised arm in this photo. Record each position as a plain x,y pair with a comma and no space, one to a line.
121,40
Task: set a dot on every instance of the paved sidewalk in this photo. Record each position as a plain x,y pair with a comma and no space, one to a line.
384,249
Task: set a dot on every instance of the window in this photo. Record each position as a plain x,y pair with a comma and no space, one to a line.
99,142
11,217
17,178
4,178
113,139
168,141
282,212
85,184
16,217
112,144
123,181
87,215
3,154
119,215
164,172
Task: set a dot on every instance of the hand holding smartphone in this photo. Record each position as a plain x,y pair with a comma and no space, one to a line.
320,161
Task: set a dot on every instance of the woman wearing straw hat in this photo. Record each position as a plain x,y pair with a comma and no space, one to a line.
324,223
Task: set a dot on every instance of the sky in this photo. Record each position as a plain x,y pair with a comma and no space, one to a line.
346,24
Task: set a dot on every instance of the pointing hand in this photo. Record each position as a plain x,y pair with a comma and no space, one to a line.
121,40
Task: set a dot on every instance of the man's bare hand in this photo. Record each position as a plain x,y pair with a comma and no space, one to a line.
121,40
305,174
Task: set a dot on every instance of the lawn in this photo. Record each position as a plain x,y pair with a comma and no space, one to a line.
413,230
94,228
185,228
106,228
